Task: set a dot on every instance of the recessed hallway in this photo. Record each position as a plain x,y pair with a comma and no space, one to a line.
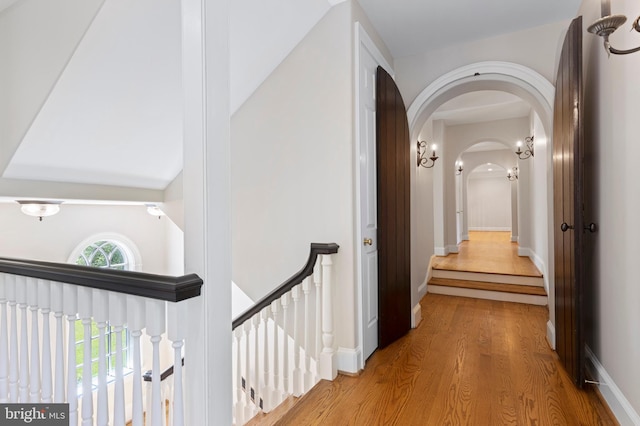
470,361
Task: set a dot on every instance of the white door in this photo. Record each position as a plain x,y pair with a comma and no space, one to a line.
368,206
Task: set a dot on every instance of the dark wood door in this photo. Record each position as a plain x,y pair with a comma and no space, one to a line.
394,248
568,201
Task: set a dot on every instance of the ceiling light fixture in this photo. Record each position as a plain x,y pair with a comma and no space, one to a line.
154,210
606,25
528,152
39,209
423,160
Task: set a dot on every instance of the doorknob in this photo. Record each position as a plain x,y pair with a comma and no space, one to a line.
591,227
564,227
368,241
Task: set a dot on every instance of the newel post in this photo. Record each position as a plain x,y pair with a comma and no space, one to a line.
328,368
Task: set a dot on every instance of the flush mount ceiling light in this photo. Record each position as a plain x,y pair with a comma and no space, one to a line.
39,209
154,210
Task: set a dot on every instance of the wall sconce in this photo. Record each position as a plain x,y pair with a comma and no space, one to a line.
459,169
39,209
422,158
512,174
528,152
606,25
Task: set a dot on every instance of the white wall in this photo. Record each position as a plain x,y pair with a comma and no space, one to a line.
37,37
489,203
612,88
55,238
535,48
293,170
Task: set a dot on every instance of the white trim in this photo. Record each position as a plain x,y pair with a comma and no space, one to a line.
514,239
453,248
440,251
348,360
416,315
524,252
521,76
422,290
618,403
489,228
362,41
551,335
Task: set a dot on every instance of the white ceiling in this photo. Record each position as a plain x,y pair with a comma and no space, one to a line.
114,118
409,27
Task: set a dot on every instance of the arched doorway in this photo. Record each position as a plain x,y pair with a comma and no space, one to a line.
534,216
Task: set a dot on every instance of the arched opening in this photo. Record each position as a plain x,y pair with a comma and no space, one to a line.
533,190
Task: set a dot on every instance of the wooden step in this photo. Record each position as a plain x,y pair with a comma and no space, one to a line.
482,285
489,277
517,293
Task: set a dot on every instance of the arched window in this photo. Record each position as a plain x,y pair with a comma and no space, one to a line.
103,251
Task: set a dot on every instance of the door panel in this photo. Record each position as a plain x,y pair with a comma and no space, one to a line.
394,250
568,141
368,202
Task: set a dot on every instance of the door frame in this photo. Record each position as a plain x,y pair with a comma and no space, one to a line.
503,76
362,42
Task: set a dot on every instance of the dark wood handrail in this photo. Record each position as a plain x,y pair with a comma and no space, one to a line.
171,289
316,249
148,376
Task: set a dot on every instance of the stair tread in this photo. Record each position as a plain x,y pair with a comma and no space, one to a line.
483,285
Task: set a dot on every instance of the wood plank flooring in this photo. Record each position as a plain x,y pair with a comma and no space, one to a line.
469,362
488,252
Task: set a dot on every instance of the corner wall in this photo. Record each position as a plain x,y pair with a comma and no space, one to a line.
612,89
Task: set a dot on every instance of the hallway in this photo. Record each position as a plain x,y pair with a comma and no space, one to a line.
470,361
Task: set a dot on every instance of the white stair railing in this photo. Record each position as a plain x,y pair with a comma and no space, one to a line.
283,345
146,304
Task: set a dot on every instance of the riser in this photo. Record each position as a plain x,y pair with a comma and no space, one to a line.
489,295
491,278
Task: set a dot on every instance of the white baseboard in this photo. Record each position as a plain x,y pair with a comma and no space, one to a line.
465,237
347,360
551,335
524,251
452,248
490,228
422,290
618,403
440,251
416,315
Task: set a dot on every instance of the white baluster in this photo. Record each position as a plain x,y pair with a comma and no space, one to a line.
247,370
276,385
57,306
155,310
4,341
296,377
101,316
117,319
136,314
255,320
267,390
85,296
70,310
176,334
317,280
239,400
34,357
285,344
14,369
328,369
306,331
44,301
21,295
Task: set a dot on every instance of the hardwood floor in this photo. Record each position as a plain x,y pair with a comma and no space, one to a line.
488,252
469,362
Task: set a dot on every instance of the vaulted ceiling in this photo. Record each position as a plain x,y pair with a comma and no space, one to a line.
113,114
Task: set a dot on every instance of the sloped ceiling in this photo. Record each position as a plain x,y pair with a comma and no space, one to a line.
114,116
